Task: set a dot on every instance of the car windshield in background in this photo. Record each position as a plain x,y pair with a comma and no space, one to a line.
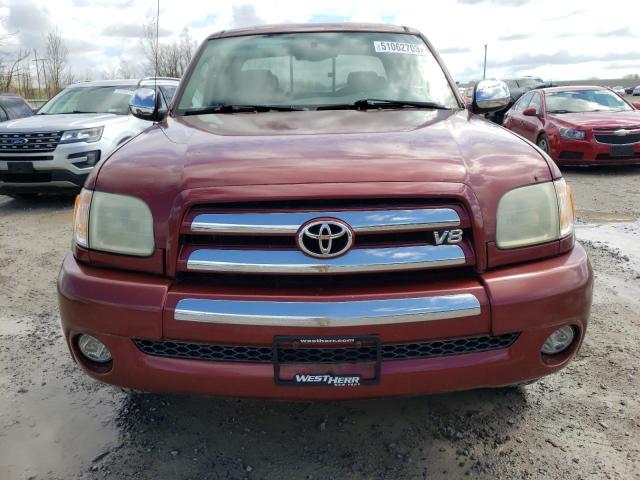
311,70
103,99
530,82
584,101
168,91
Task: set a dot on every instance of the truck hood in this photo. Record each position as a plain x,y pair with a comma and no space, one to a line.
64,121
259,154
322,147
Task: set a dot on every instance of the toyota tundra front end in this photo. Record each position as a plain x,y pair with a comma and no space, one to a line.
317,216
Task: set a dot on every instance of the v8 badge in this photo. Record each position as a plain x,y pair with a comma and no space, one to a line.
447,236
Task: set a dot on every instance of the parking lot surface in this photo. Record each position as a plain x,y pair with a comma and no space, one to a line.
55,423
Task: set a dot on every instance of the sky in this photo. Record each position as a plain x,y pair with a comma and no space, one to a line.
553,39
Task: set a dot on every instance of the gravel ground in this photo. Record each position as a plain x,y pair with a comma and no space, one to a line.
584,422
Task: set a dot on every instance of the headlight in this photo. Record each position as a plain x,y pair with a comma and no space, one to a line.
84,135
534,214
566,207
570,133
113,223
81,218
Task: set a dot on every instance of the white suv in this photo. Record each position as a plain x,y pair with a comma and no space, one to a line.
58,147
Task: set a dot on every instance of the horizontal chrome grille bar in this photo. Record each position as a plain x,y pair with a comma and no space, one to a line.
360,221
355,261
327,314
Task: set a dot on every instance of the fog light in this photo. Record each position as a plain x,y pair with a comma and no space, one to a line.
559,340
85,159
94,349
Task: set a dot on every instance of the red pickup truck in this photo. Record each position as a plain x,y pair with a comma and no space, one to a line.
318,216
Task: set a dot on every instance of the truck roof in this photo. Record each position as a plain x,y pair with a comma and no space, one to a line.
313,27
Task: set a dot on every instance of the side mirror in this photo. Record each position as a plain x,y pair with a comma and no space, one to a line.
636,104
530,112
144,105
490,96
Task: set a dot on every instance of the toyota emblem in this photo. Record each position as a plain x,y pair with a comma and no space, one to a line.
325,238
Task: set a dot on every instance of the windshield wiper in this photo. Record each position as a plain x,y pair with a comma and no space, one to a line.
560,111
367,103
224,108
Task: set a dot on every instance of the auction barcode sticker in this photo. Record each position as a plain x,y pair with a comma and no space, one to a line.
398,47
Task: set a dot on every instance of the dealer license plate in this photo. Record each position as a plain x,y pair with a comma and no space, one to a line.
321,361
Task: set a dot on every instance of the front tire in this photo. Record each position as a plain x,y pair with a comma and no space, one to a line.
543,144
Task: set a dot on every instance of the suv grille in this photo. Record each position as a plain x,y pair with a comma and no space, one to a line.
252,354
29,142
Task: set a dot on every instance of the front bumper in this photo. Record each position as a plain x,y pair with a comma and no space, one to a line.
566,151
48,171
533,299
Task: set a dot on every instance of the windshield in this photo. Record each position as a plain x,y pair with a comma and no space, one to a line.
308,70
530,82
584,101
103,99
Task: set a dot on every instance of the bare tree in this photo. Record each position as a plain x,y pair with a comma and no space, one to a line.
69,77
187,49
13,69
56,63
125,70
109,73
170,59
150,44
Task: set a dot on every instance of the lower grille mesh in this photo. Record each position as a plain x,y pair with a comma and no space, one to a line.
251,354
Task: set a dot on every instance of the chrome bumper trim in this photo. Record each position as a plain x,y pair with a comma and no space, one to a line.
327,314
357,260
360,221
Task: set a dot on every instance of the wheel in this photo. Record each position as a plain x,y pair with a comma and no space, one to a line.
543,143
23,196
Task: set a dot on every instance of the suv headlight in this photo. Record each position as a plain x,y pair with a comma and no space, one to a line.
534,214
84,135
113,223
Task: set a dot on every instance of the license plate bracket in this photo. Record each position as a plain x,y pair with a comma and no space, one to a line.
622,150
290,371
20,167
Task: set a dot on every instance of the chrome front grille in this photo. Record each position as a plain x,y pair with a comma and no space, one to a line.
361,221
34,142
268,242
328,314
359,260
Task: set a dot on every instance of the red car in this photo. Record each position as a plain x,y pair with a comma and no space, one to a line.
318,216
579,125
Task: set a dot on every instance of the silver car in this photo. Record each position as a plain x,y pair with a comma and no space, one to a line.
636,91
619,90
58,147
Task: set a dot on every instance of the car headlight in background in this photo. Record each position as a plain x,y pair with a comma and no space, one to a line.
113,223
84,135
570,133
534,214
